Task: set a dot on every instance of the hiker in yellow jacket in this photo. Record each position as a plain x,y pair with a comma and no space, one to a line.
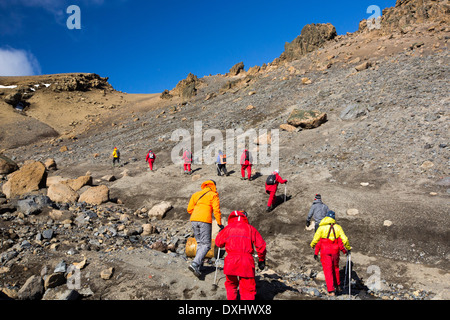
116,156
329,239
202,206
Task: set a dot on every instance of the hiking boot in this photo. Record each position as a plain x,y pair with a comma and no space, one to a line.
268,209
250,179
331,294
195,270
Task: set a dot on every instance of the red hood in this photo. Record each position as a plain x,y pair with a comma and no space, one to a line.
236,216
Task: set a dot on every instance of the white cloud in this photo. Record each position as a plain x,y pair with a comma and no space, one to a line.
15,62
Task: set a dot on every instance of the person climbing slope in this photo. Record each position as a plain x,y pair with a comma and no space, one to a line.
271,188
116,156
187,157
202,205
329,240
318,211
239,238
246,164
150,158
221,164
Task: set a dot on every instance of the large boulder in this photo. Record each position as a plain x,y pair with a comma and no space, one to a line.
312,37
7,165
78,183
62,193
30,177
95,195
306,119
33,289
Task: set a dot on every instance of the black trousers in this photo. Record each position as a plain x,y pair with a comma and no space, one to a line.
222,167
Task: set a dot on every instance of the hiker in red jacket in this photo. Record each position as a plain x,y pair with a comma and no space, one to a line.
246,164
150,158
271,188
238,238
187,157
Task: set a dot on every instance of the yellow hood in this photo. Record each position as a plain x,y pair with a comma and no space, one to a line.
209,184
327,220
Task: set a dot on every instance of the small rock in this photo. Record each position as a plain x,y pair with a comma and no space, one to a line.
363,66
54,280
106,274
427,165
364,184
387,223
352,212
158,211
61,267
47,234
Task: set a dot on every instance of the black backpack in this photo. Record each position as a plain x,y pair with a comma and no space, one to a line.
247,156
271,180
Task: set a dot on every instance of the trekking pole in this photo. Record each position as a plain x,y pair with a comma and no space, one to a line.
346,269
349,275
285,191
217,265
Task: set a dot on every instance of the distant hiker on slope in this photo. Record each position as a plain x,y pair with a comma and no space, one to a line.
202,205
187,157
116,156
246,164
271,188
238,238
329,239
221,164
150,158
318,211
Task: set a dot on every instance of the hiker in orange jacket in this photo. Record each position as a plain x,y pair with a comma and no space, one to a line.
239,238
150,158
329,239
202,206
246,164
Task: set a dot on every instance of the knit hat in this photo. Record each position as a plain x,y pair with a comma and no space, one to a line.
331,214
317,196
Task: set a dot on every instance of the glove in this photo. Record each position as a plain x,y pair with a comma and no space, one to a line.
316,257
221,227
308,223
348,252
261,265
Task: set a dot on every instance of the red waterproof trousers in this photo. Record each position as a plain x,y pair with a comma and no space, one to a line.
247,288
330,264
247,167
329,256
150,163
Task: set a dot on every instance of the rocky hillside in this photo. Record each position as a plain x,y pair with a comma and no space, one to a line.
374,144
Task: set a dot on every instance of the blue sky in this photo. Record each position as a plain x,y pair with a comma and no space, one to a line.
148,46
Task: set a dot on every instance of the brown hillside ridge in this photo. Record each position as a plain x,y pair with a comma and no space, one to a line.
375,146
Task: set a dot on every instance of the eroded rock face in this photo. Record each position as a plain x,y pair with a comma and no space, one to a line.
312,37
187,88
410,12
